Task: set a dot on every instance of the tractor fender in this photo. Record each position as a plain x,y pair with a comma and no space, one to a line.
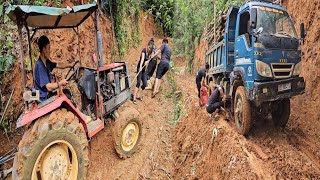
60,101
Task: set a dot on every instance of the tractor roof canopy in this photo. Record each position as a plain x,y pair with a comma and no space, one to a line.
42,17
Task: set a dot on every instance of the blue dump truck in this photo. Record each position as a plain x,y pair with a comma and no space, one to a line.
258,63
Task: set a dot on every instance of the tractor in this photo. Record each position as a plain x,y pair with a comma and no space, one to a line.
57,132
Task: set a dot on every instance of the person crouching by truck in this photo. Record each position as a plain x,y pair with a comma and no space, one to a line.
141,70
163,66
215,101
200,79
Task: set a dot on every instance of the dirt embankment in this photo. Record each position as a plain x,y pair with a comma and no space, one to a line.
305,117
268,152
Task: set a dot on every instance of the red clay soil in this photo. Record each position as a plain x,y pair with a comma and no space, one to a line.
154,159
268,152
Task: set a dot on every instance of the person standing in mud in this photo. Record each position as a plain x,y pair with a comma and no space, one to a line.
141,70
151,66
200,79
163,66
215,100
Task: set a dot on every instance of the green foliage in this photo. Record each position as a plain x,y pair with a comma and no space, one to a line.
176,98
190,18
6,56
163,11
190,21
125,15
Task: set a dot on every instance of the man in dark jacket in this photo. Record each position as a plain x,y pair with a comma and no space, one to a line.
200,78
164,64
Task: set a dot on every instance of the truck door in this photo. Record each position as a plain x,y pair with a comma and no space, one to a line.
243,49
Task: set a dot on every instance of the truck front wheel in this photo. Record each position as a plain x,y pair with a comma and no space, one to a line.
242,111
281,115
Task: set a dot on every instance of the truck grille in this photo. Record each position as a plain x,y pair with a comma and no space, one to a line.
282,70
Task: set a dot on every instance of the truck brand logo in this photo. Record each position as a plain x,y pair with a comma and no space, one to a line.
257,53
249,71
283,60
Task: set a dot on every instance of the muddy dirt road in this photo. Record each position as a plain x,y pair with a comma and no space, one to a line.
267,153
153,160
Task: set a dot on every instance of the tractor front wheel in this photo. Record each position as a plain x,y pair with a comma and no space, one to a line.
54,147
127,130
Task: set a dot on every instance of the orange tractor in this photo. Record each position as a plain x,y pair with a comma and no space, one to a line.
56,132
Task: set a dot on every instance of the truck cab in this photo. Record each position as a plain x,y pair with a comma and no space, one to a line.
267,54
258,62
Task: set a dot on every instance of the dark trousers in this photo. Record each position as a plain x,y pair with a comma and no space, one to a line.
142,76
163,67
212,107
151,67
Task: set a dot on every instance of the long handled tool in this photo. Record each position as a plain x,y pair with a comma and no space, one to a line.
138,73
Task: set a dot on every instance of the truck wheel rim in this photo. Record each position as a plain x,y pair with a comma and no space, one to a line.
239,112
58,160
130,136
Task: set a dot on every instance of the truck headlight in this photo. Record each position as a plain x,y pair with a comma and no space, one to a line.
297,69
263,69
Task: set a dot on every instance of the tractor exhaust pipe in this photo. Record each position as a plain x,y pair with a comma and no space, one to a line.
99,41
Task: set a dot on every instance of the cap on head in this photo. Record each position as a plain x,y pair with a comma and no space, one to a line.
152,39
42,42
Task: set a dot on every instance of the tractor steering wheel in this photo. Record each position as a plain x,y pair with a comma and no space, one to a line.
75,71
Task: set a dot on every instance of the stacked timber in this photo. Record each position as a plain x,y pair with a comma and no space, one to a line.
220,29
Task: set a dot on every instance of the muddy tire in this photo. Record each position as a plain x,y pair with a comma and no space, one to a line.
127,131
281,116
242,111
54,147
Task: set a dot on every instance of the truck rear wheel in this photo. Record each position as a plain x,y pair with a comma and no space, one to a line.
211,87
242,111
127,131
54,147
281,115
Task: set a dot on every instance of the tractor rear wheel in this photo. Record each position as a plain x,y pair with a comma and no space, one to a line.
127,131
281,116
242,111
54,147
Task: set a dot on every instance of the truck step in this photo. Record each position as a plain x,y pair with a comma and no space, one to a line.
94,127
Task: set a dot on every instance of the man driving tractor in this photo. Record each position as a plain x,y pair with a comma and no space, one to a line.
43,68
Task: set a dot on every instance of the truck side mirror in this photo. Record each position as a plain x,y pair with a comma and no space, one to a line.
253,18
302,33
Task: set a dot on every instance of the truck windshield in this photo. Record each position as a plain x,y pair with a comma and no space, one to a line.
275,22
